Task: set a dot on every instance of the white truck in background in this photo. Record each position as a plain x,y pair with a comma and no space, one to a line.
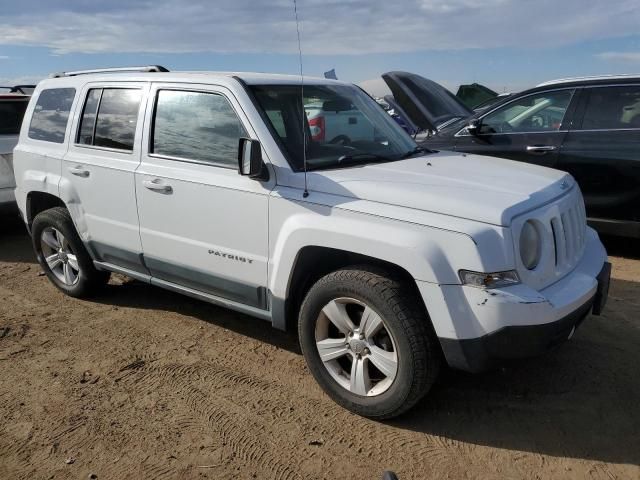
12,108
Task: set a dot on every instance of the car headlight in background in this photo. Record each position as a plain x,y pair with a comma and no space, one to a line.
530,245
489,280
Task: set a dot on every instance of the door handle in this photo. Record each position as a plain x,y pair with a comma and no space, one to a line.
79,171
540,148
157,186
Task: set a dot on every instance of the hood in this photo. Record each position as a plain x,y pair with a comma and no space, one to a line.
475,94
427,104
401,113
484,189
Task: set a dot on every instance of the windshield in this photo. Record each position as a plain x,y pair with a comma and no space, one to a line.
342,126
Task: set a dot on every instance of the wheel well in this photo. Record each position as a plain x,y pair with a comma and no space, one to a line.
38,202
314,262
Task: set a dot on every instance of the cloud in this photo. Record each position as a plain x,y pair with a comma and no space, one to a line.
626,57
328,26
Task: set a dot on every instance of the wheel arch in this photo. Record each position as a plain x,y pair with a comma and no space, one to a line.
312,262
37,202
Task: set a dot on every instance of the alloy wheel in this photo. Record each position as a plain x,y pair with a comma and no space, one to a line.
59,256
356,347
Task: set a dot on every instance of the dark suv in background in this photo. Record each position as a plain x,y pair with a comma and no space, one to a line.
589,127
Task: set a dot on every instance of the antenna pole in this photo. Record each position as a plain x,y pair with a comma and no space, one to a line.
305,194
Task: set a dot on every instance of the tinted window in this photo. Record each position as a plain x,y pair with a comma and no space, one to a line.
51,113
88,120
196,126
541,112
612,107
109,118
11,114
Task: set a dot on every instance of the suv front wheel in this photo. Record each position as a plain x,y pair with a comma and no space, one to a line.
368,342
62,254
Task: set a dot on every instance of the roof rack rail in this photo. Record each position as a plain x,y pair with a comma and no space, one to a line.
18,88
621,76
148,68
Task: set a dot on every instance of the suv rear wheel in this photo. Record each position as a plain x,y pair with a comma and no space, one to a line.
368,342
62,255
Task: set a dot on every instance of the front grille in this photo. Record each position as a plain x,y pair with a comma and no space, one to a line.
569,233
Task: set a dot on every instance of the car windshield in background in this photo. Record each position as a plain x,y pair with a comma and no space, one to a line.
11,113
342,126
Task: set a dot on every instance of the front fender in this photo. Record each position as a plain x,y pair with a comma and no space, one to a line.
428,254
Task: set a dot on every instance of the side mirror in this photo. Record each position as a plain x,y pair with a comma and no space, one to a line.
473,127
250,161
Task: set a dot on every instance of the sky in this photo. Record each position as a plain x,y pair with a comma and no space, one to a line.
508,45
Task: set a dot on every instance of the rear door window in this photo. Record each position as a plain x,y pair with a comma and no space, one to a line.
51,114
109,118
198,126
612,108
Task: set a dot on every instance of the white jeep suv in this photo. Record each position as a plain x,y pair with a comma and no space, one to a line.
390,259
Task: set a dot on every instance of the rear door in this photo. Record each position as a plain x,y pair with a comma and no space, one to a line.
98,171
602,151
530,128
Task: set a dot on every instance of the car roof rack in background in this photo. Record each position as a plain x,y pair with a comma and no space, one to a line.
19,89
148,68
622,76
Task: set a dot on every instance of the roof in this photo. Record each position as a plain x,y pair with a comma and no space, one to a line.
590,79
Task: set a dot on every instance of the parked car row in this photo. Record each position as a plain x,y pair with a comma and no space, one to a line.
589,127
388,258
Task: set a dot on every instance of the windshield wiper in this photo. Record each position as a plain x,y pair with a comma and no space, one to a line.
355,158
363,156
416,151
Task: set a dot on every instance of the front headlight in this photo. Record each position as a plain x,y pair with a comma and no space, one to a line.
530,245
489,280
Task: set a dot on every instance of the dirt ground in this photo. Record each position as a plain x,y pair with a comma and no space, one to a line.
141,383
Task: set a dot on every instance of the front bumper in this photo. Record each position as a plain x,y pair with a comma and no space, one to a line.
478,328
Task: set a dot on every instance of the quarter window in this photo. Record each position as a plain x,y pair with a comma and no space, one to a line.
51,114
196,126
109,118
542,112
612,108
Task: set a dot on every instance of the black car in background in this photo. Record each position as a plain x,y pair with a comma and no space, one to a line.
589,127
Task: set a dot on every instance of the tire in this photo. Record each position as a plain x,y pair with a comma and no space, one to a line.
53,233
369,298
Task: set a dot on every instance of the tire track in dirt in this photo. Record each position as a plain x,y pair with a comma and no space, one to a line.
245,434
15,443
243,394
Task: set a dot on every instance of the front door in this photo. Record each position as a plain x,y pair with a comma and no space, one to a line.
203,226
528,129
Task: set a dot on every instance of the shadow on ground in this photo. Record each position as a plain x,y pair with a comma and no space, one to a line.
15,244
622,247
